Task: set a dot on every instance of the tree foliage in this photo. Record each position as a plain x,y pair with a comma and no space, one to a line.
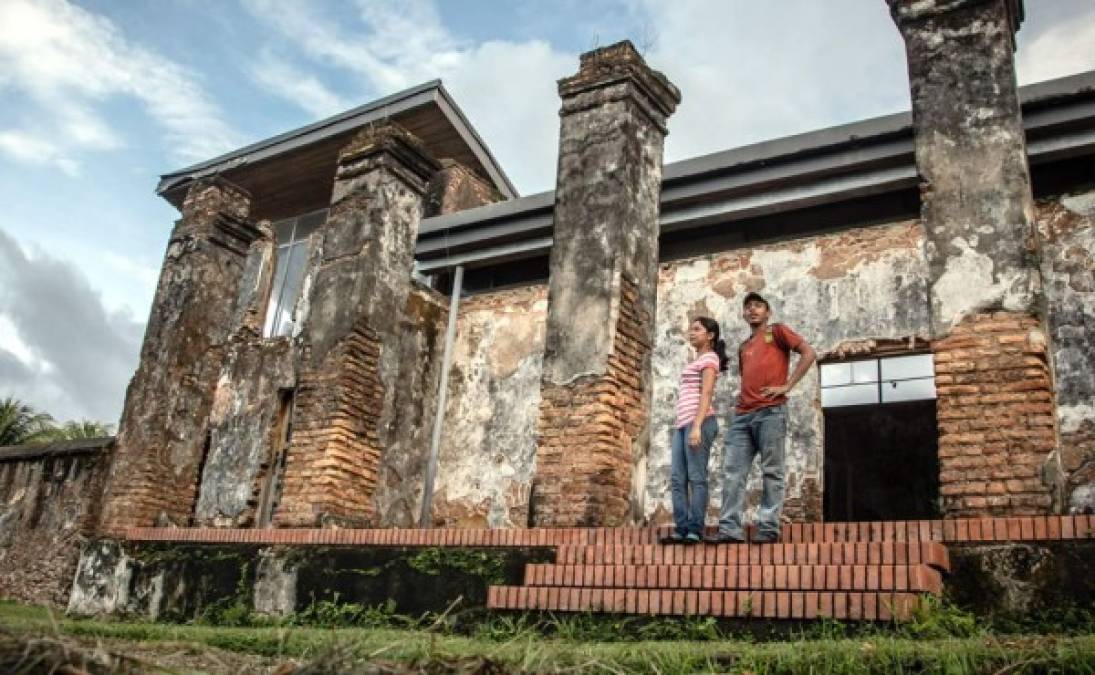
20,424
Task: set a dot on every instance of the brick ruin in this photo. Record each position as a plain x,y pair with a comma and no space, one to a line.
570,328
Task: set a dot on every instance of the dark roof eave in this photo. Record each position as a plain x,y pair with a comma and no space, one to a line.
79,446
433,91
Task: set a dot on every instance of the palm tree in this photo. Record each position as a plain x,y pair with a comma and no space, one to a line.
20,423
73,430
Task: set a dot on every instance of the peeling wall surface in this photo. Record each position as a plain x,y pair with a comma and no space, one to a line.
860,284
489,446
48,504
420,339
1067,229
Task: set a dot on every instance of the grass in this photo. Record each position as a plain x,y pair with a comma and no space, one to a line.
522,646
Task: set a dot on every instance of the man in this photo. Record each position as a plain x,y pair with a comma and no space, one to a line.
760,421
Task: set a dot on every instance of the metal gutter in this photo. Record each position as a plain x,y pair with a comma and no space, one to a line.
831,165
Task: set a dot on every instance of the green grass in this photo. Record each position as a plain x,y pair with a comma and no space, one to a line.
521,647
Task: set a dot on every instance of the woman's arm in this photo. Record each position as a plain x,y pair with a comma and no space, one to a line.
707,390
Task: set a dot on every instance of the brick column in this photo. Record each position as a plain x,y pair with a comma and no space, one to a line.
595,392
358,292
162,435
994,389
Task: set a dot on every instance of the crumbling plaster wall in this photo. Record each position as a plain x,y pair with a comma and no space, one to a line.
418,346
860,284
488,449
48,506
864,283
1067,228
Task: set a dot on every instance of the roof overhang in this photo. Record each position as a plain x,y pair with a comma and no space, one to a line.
829,166
294,171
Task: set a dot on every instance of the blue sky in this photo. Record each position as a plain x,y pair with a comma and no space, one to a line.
98,98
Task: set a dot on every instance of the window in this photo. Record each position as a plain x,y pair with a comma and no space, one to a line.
292,259
887,380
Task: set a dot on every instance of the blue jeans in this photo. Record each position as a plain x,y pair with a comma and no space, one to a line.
758,432
689,471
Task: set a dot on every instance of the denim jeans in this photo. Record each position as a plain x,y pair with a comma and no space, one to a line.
689,472
758,432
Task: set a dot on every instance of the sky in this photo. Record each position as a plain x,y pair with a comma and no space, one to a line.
100,97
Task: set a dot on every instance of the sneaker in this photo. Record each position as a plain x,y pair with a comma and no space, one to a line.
671,538
692,538
766,537
723,538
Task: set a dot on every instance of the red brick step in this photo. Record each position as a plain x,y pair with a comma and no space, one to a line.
866,606
914,578
861,553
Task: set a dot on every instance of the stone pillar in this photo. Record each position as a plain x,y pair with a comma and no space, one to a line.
162,435
995,395
457,188
347,358
596,386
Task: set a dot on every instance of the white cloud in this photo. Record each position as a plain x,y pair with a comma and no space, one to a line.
306,91
1062,49
507,89
61,349
31,149
67,61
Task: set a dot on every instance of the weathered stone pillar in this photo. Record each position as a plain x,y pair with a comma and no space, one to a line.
457,188
595,392
162,435
358,292
995,404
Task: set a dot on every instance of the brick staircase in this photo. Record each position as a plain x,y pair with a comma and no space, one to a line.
856,571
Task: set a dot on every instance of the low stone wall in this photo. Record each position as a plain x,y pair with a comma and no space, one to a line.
183,582
49,501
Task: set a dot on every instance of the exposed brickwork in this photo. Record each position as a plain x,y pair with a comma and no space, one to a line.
586,430
914,541
162,435
996,416
457,188
361,280
335,452
48,508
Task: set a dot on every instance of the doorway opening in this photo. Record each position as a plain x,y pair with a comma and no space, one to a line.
881,439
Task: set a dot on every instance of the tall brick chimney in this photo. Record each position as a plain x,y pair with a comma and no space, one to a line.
358,291
161,437
595,392
995,397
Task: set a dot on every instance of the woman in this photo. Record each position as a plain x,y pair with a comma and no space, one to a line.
694,431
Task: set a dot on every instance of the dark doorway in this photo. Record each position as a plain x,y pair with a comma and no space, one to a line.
881,462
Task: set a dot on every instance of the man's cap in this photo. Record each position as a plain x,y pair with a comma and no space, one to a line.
751,296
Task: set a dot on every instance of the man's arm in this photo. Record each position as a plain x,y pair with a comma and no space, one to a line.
806,358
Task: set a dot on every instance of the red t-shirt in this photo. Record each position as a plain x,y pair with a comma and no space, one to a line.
764,360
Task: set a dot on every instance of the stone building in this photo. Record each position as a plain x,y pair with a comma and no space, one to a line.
361,323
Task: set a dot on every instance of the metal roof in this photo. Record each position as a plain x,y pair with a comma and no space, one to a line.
424,94
836,164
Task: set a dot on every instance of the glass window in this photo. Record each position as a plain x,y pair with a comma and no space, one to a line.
855,394
919,389
908,367
903,378
292,260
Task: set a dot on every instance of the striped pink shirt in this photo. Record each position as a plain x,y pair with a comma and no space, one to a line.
688,397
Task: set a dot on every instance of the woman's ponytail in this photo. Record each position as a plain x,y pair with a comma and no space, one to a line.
720,351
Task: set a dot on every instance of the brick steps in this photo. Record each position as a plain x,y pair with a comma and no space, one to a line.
904,578
965,530
806,605
861,553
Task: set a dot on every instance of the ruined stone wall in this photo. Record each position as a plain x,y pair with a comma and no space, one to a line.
48,507
1067,228
860,284
488,449
419,342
